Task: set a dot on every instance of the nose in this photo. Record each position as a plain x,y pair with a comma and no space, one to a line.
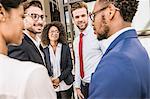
40,21
80,18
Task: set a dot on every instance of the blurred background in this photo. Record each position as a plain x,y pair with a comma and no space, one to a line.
59,10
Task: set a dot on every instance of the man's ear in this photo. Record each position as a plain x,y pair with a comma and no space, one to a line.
112,10
2,13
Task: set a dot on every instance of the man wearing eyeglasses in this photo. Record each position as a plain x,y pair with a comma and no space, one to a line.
34,21
124,70
87,58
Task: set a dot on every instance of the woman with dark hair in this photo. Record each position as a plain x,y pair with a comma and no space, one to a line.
19,80
58,59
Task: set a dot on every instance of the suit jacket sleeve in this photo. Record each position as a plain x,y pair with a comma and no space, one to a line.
68,64
114,78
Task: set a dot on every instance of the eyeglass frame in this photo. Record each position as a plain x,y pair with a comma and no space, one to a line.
57,32
38,16
92,15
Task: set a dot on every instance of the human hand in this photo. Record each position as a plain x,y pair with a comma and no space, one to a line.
79,93
55,82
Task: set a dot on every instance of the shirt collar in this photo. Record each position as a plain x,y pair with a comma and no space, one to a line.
36,42
88,28
58,45
106,42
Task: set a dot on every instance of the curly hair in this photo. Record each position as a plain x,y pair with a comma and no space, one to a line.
62,35
127,8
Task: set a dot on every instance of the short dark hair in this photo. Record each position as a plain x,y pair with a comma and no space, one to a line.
78,5
35,3
8,4
127,8
62,35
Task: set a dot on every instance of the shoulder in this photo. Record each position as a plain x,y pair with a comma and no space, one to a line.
115,61
20,69
66,45
65,48
26,65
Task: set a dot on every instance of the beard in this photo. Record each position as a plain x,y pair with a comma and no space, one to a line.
82,28
35,31
104,33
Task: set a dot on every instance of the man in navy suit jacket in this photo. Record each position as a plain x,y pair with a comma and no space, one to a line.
124,70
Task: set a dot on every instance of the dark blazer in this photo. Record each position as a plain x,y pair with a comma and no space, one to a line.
123,72
27,51
65,64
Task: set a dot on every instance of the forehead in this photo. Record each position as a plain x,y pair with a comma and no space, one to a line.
97,6
79,11
53,28
33,9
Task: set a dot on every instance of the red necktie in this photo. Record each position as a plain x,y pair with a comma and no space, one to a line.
81,56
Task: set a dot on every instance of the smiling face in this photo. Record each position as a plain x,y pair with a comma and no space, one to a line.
12,26
80,18
38,18
53,34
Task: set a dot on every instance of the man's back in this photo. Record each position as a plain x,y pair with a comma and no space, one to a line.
24,80
126,65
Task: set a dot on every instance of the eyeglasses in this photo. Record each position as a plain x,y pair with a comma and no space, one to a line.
92,15
36,16
57,32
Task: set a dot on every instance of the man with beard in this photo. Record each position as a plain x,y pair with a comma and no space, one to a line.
29,50
124,70
86,48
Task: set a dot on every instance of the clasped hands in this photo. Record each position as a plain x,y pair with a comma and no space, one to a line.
55,82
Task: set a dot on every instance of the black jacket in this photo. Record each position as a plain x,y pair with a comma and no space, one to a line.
27,51
65,65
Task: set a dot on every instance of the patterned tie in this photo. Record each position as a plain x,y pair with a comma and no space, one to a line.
81,56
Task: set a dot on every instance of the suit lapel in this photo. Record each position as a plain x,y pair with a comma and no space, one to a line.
48,60
33,45
124,35
63,55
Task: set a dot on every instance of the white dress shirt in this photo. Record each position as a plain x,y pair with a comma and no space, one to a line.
55,62
24,80
91,56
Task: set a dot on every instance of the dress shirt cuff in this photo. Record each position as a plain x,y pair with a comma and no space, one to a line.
77,84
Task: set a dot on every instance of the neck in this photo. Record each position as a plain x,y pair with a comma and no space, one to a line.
118,27
3,46
33,35
53,43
